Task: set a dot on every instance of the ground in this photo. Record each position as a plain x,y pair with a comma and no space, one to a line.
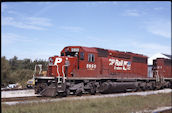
125,104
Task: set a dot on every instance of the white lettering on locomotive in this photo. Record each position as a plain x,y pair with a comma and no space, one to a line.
74,49
58,60
91,66
120,64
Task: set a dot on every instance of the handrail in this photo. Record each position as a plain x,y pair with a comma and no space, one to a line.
64,77
58,74
40,67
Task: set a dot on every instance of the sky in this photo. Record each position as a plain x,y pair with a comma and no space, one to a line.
38,30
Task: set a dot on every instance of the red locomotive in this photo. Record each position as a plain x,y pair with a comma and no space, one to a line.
162,68
89,70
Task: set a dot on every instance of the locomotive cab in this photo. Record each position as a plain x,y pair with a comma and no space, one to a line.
64,66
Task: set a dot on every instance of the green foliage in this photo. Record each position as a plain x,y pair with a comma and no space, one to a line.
5,71
18,71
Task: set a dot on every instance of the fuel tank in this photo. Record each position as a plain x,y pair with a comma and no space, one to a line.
113,87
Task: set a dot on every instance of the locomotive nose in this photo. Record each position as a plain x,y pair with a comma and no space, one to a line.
64,61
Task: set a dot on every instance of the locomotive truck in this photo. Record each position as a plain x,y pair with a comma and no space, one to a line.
79,70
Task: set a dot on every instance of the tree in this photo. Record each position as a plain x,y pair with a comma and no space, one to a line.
26,64
5,71
14,63
15,70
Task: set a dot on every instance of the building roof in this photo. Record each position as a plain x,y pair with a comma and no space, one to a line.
158,55
169,56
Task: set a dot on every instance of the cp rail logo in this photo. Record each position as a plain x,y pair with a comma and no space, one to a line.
58,60
120,64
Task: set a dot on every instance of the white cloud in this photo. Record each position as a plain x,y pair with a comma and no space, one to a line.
33,23
97,3
46,8
39,21
131,13
150,48
160,27
9,38
35,54
16,14
158,8
3,7
72,28
44,3
115,3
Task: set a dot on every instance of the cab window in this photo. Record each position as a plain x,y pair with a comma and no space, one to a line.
62,54
74,54
91,58
81,55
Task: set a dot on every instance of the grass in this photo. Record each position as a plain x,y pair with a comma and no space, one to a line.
126,104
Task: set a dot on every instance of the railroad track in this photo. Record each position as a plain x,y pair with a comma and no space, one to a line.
19,99
23,100
14,89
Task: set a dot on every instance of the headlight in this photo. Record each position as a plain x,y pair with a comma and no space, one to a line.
50,61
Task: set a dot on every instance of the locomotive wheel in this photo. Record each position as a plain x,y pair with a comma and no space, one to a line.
78,92
153,86
63,94
162,86
169,85
149,86
138,88
143,88
93,91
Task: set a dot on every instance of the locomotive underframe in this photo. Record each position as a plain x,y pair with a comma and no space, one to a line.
49,86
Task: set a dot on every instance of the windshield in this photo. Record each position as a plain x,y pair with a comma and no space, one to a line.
71,53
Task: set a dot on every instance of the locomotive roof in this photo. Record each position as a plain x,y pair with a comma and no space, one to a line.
95,50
